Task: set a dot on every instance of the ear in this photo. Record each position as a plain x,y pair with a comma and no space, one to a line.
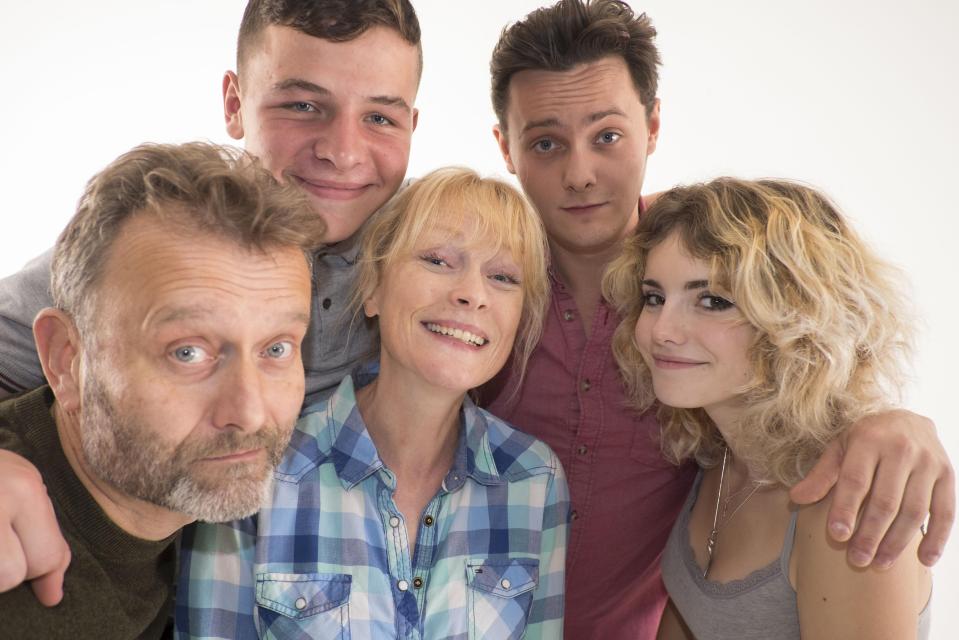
371,306
502,140
58,346
416,118
231,105
652,123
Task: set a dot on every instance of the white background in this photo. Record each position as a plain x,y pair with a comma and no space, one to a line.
858,98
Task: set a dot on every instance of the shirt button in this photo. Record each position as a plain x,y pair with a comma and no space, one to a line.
394,522
402,585
567,315
582,450
428,521
417,582
504,583
574,515
586,384
327,303
300,604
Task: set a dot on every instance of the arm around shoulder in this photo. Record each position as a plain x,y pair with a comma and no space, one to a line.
22,296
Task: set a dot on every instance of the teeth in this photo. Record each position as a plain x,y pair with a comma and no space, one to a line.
459,334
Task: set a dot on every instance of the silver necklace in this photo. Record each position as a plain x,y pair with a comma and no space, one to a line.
717,525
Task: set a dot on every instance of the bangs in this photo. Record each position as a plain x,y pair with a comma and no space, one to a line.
482,212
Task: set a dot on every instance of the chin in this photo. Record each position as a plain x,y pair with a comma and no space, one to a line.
676,399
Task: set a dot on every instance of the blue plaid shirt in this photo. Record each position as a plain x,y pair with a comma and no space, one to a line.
328,557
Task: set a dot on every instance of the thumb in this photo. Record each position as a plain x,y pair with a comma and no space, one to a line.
48,588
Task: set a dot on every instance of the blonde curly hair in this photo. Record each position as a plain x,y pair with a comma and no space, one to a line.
831,336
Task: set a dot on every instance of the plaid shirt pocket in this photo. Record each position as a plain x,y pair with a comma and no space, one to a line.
500,595
303,606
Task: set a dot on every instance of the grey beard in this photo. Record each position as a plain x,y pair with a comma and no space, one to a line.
130,457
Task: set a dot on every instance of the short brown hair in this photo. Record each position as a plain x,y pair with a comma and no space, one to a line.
196,186
573,32
333,20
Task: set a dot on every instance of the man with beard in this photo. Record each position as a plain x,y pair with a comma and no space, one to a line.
172,355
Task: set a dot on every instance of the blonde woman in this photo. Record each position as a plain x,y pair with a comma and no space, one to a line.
764,327
401,509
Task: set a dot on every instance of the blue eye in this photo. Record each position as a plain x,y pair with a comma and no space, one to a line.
380,120
190,354
544,145
280,350
608,137
303,107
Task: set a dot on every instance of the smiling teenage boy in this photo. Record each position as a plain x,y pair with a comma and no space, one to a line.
574,92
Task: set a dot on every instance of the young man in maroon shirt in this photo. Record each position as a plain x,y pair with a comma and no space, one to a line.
574,91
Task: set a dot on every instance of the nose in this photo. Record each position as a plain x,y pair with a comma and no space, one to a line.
239,404
341,143
470,289
578,172
669,325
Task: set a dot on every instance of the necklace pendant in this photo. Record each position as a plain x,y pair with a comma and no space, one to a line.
710,546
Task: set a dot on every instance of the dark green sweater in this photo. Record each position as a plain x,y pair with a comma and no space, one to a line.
117,586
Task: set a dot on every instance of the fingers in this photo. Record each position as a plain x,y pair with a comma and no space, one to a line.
942,514
881,507
821,478
13,564
44,549
31,545
49,588
912,512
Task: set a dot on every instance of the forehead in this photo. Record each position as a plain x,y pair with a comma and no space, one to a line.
565,97
671,259
154,266
469,233
378,62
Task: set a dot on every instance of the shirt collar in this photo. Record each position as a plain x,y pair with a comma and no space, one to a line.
355,457
346,251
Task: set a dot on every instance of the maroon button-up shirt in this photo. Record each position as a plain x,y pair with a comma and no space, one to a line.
625,496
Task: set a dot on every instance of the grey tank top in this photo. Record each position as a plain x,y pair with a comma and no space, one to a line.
760,606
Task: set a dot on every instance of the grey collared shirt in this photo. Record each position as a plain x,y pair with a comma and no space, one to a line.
340,336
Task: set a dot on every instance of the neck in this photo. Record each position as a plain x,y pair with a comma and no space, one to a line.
726,420
136,517
415,427
582,271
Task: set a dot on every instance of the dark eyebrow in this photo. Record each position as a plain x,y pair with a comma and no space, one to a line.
689,286
696,284
306,85
554,122
391,101
535,124
599,115
297,83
